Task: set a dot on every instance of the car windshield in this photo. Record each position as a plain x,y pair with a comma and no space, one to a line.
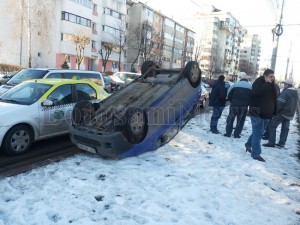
26,93
26,74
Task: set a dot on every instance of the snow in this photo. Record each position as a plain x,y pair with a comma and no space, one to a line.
198,178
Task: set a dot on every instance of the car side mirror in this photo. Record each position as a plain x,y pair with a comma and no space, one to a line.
47,103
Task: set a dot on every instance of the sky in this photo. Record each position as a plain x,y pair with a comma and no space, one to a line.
259,17
198,178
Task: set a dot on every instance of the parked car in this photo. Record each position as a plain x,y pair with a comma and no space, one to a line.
124,78
110,85
38,73
204,95
142,116
39,109
7,77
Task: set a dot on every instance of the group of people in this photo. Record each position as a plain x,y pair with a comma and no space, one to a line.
262,101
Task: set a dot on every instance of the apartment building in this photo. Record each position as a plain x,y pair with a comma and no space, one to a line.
250,55
219,38
164,40
41,31
40,34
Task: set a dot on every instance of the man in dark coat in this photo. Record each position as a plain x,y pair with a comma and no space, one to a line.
217,100
286,108
239,97
262,108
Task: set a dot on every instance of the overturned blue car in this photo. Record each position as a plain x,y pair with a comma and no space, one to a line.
140,117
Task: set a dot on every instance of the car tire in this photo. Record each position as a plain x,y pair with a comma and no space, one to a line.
17,140
193,73
79,114
146,65
135,126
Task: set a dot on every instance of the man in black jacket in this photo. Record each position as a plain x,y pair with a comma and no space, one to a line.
286,108
239,97
262,108
217,100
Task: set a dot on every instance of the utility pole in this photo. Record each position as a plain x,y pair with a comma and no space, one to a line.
277,31
287,63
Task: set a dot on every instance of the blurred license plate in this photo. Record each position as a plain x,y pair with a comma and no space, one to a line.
86,148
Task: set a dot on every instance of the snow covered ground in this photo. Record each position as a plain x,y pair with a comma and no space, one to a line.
198,178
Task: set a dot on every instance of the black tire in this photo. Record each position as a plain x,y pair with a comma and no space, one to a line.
135,126
146,65
78,113
193,73
17,140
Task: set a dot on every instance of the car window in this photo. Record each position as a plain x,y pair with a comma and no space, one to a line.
85,92
61,95
55,75
26,93
94,77
26,74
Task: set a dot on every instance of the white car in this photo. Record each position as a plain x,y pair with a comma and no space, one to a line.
124,78
39,109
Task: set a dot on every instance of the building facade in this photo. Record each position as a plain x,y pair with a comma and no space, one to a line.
219,38
40,33
250,55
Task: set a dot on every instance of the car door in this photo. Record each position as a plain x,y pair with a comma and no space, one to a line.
56,118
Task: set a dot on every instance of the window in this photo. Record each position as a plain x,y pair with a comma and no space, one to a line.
93,44
55,75
75,19
94,8
61,95
85,92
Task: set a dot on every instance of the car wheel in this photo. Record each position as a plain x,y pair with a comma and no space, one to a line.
146,65
17,140
193,73
82,111
135,125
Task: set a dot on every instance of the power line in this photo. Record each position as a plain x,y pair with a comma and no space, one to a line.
270,25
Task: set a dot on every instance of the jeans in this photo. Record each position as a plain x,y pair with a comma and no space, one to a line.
217,112
258,127
266,133
274,123
240,114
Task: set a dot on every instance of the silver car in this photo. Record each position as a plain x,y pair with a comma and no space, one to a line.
7,77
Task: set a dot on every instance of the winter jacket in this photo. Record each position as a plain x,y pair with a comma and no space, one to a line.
239,94
218,94
287,102
263,99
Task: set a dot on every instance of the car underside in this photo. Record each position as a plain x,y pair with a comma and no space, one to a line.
140,117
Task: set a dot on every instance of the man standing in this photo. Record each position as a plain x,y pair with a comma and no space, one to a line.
286,108
217,100
262,108
239,97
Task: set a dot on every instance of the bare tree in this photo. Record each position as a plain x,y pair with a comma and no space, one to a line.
135,44
80,41
105,52
145,42
120,42
32,16
197,55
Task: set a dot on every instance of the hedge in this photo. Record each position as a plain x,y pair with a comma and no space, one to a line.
6,68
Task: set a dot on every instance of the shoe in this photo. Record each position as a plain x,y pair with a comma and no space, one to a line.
248,149
226,135
237,136
215,132
265,138
259,158
269,145
279,145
